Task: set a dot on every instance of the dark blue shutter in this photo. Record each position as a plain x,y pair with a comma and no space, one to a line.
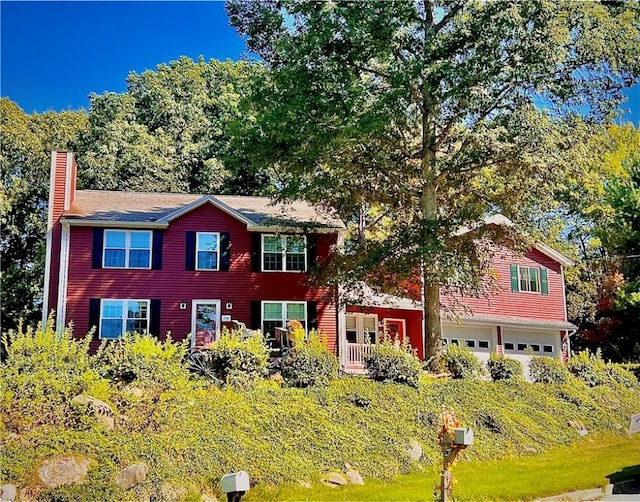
256,314
312,315
312,245
256,252
154,322
225,251
190,252
94,316
98,244
156,257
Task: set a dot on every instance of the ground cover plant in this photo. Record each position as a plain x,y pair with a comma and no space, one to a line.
193,431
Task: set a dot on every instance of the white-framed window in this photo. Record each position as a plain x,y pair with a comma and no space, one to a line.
535,347
118,317
509,346
483,344
547,348
455,341
276,315
529,279
470,343
361,328
207,251
522,347
127,249
284,253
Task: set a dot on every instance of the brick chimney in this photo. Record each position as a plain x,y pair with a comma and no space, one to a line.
62,191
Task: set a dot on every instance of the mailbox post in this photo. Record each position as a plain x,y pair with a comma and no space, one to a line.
235,485
453,440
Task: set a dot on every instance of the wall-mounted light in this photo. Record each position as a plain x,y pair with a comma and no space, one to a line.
183,305
229,306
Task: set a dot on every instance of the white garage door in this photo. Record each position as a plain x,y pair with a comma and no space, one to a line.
521,344
479,339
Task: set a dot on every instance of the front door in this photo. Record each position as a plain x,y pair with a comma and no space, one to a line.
205,322
395,328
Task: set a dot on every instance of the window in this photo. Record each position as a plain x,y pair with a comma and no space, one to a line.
284,253
470,343
445,342
547,348
522,346
276,315
509,346
455,341
528,279
207,250
127,249
362,328
118,317
483,344
535,347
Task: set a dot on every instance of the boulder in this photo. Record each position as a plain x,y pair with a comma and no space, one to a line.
414,450
334,479
102,411
63,470
8,493
132,475
354,477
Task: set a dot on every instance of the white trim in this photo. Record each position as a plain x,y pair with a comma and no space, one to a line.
49,243
67,181
302,229
127,248
284,318
218,305
217,250
212,200
539,279
284,253
564,294
142,225
553,254
63,278
124,316
361,329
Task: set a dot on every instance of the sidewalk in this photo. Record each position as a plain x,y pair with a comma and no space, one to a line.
593,494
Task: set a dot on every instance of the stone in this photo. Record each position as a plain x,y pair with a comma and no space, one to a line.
132,475
305,484
354,477
334,479
134,391
8,493
63,470
101,410
414,450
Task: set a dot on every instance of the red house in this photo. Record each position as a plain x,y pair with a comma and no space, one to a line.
182,263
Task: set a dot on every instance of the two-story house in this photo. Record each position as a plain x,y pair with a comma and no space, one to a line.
190,264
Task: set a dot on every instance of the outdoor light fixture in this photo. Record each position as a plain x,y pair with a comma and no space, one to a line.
183,305
229,305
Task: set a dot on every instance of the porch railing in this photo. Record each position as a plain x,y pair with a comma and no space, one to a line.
356,353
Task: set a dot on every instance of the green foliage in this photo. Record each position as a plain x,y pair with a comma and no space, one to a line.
234,358
593,370
392,360
548,370
309,362
462,363
503,368
143,359
42,372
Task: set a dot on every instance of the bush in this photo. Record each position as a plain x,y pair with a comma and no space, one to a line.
393,361
42,372
588,367
543,369
142,358
309,362
503,368
620,374
235,357
462,363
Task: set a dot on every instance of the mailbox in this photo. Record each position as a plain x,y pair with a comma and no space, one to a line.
235,483
463,436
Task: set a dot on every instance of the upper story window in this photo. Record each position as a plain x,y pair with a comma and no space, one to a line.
285,253
207,250
127,249
118,317
529,279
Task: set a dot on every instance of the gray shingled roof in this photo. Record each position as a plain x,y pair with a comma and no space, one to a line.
146,207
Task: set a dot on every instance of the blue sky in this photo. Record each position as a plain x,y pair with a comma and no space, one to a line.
54,54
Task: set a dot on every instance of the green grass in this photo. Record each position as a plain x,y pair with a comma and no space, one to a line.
582,465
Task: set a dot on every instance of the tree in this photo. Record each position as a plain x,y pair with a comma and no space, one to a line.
25,158
432,114
170,131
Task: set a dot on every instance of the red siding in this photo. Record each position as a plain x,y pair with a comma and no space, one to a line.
173,284
413,322
526,305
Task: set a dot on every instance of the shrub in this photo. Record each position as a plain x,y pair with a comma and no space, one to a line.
462,363
235,357
632,368
503,368
42,372
543,369
393,361
620,374
588,367
142,358
309,362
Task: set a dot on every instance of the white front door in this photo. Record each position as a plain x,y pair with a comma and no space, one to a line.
205,322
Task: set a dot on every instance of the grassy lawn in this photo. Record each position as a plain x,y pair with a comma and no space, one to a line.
580,466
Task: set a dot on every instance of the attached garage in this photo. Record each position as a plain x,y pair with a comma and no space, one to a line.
481,340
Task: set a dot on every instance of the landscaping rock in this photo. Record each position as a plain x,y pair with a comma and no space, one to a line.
63,470
102,411
132,475
354,477
414,450
8,493
133,391
334,479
